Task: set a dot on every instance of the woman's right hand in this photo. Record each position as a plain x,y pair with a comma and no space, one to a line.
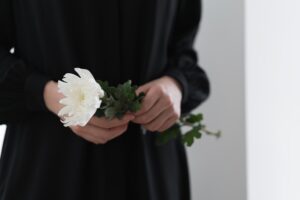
99,130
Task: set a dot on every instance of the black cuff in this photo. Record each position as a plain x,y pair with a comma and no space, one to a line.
34,91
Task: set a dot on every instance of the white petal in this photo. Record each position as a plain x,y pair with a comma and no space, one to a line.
67,101
63,88
64,111
78,111
70,78
71,119
69,124
101,93
83,123
84,73
98,103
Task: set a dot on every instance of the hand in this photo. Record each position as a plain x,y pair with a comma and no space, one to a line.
161,105
99,130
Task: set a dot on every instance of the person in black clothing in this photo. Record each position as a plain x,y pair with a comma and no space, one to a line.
147,41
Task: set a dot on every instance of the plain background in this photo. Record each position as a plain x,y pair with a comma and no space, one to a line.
218,167
273,99
251,51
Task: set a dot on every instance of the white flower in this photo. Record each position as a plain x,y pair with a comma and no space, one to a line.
82,97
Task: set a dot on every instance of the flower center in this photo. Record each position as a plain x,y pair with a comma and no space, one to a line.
81,97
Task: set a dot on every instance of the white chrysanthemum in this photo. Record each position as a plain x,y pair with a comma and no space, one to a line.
82,97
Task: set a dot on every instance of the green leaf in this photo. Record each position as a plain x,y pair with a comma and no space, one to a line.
169,134
193,118
190,136
135,106
119,100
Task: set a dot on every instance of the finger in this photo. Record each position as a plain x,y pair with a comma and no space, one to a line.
94,131
116,132
170,122
91,138
155,124
107,123
153,113
149,100
103,134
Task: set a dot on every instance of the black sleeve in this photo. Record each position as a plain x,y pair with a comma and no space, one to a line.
21,87
182,57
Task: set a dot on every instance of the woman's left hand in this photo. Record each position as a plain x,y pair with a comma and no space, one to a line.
161,105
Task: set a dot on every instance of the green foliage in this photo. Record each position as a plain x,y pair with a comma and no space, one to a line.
189,137
169,134
119,100
195,130
194,118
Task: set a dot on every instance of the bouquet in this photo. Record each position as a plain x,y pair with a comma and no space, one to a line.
86,97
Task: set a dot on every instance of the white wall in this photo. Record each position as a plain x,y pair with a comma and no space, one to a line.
218,168
273,99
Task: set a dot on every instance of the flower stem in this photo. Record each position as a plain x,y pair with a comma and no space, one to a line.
216,134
